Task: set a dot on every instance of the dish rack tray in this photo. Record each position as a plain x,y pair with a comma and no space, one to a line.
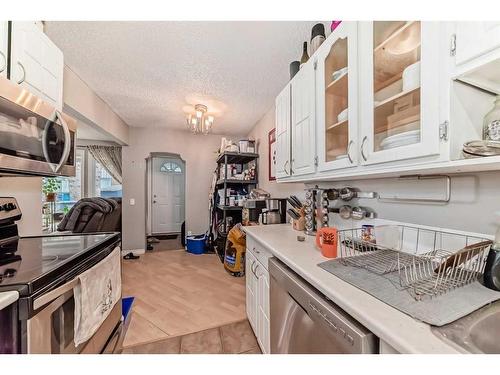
428,262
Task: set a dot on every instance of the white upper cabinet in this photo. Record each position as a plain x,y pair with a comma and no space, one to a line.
303,121
36,63
474,39
399,90
337,99
283,151
4,41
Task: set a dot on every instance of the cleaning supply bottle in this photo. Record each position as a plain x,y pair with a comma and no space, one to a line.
492,268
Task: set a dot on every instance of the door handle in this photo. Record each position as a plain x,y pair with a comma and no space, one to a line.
365,138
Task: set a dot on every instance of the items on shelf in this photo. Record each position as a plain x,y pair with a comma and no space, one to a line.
294,68
305,56
339,73
334,25
317,36
243,146
491,123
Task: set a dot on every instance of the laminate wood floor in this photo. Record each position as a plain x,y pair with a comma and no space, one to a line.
177,293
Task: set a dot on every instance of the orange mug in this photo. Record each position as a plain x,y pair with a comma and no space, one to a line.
326,240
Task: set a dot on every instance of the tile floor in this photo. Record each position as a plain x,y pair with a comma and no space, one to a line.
177,293
235,338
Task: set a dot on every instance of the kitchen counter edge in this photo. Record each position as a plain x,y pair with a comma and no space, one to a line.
402,332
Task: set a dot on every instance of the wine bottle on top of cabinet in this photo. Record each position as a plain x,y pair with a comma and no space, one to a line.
305,56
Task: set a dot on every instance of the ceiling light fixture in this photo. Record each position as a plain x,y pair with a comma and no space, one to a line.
200,122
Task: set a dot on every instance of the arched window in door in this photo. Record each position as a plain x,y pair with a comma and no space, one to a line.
171,167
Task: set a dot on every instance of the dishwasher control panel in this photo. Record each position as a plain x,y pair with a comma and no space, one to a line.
336,326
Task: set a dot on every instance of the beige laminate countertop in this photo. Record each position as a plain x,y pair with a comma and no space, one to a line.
397,329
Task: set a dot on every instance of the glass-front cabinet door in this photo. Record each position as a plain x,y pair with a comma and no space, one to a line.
336,99
399,83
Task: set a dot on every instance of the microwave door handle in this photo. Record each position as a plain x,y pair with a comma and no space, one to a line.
67,141
54,294
45,149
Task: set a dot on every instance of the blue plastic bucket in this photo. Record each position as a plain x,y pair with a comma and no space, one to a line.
196,244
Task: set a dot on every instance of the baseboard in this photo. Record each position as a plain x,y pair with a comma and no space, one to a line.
133,251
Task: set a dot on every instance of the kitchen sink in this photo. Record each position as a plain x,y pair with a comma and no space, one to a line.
477,332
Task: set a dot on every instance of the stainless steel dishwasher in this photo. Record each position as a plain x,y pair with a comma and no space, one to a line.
304,321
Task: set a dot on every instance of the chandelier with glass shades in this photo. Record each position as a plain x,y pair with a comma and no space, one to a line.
200,122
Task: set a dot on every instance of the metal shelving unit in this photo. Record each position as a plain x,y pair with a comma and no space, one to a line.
222,162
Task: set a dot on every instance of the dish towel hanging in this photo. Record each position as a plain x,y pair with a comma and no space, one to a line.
97,292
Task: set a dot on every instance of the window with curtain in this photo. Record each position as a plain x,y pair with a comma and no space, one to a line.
91,180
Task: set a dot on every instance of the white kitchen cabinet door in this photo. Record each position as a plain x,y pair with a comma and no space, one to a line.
303,121
4,41
475,38
399,105
263,325
337,99
251,290
36,63
283,133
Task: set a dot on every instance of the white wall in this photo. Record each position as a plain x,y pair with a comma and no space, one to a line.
198,151
28,192
81,102
475,197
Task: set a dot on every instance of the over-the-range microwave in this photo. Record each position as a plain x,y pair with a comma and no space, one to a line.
35,138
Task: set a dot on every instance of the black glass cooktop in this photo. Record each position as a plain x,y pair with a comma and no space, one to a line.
27,259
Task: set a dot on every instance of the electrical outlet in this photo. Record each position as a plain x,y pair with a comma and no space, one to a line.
132,201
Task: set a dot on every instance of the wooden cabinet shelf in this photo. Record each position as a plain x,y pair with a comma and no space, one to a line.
339,86
396,37
397,51
394,97
337,124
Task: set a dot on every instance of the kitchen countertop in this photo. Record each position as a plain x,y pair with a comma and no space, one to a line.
8,298
397,329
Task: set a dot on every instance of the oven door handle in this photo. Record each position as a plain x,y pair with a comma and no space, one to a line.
54,294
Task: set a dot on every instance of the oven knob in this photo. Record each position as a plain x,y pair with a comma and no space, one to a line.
9,206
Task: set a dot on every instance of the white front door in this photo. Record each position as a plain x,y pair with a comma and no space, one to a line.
167,195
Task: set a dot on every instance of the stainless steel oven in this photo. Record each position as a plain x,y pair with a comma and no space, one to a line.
35,138
51,329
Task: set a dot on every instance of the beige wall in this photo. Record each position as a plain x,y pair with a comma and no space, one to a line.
83,103
199,153
28,192
474,200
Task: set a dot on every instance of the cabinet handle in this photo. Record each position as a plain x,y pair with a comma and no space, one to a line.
24,73
365,138
284,167
251,268
255,270
4,62
349,151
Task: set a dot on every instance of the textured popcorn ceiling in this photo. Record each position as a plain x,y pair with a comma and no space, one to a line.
148,71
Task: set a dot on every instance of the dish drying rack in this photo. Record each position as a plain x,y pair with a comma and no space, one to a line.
428,262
